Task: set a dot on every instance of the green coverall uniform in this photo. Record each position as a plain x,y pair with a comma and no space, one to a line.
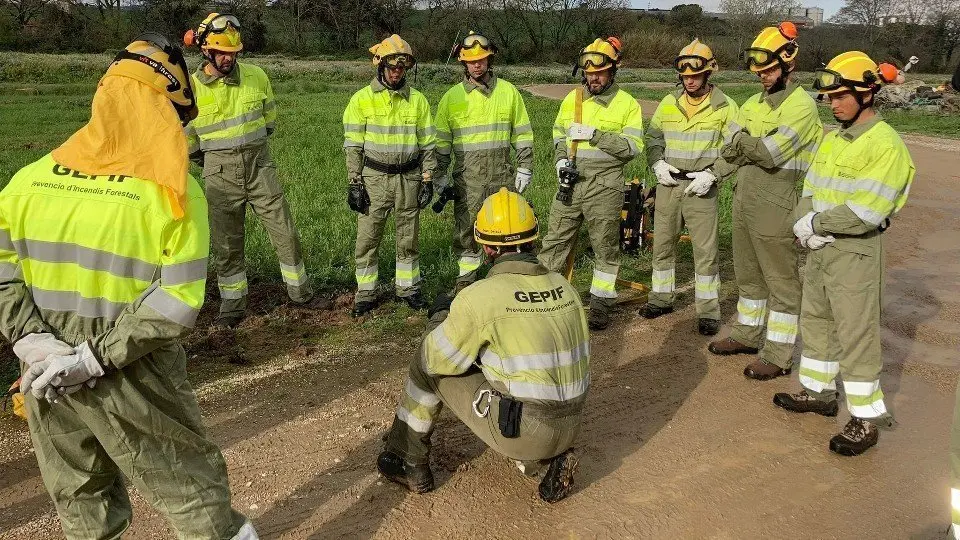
689,144
102,259
860,177
955,468
782,131
521,333
229,137
598,193
480,123
389,128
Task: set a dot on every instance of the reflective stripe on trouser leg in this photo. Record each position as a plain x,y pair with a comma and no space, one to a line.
370,228
233,287
707,287
700,215
748,327
468,264
782,327
604,285
298,283
664,281
418,408
817,376
751,312
408,274
367,278
865,399
666,229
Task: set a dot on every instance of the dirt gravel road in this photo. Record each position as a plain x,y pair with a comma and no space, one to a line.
676,443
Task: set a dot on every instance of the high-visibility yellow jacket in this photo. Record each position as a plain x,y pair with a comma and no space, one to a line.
524,327
392,127
234,111
860,177
100,258
478,125
693,143
619,137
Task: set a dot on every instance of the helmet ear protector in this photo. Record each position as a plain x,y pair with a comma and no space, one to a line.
217,25
173,52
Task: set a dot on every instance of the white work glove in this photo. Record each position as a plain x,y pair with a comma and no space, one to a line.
580,132
803,228
523,179
33,348
561,163
816,241
440,183
62,374
662,170
701,183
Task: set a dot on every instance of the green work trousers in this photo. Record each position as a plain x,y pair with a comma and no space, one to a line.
471,191
234,179
599,206
389,193
765,260
955,468
840,325
544,432
143,423
674,209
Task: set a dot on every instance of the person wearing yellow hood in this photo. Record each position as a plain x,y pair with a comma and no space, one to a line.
103,262
229,139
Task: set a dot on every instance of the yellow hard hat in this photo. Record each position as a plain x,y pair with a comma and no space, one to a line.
695,58
855,71
600,55
156,62
218,32
475,47
505,219
775,44
393,51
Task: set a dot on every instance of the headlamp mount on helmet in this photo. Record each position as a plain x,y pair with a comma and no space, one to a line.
173,52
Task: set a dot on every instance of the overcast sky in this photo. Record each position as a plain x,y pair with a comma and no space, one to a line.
830,7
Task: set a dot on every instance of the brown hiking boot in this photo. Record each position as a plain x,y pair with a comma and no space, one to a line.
728,346
802,402
856,438
557,483
416,477
761,370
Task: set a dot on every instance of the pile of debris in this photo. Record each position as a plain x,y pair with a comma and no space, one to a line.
917,95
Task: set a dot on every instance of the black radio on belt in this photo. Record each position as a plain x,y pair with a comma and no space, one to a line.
510,412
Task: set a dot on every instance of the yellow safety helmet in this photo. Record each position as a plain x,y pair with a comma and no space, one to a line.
475,47
156,62
600,55
394,52
854,71
775,44
218,32
505,219
695,58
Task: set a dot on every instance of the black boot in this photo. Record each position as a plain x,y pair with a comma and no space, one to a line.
362,308
708,327
416,301
226,321
802,402
599,319
856,438
416,478
650,311
558,481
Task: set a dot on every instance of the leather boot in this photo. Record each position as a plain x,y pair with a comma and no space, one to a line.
650,311
761,370
226,321
416,478
416,301
728,346
856,438
802,402
599,319
708,327
558,482
362,308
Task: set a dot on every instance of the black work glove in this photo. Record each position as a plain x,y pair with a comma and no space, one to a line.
358,198
440,303
425,195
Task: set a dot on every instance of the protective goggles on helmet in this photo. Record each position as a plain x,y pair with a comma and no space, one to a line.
399,61
186,112
474,40
759,57
221,22
694,63
596,60
828,80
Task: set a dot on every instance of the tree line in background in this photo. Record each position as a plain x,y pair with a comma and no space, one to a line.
527,31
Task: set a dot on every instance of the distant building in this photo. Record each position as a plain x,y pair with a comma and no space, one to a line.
806,16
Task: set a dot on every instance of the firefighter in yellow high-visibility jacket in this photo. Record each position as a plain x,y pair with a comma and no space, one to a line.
103,262
781,132
859,179
608,136
230,139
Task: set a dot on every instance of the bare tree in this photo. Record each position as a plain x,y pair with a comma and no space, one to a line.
24,11
868,13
